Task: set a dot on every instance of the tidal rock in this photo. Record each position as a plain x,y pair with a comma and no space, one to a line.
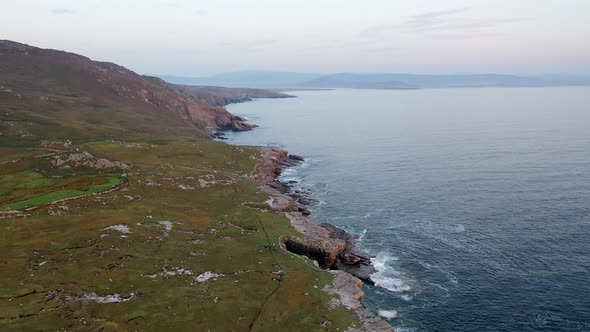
296,157
308,201
360,269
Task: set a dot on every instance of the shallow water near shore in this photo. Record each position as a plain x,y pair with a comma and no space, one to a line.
474,202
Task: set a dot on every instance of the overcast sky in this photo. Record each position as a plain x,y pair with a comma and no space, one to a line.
191,38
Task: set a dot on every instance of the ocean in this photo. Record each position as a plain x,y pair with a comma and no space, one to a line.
474,202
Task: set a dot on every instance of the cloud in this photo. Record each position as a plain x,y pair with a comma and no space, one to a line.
384,49
468,24
428,16
255,45
261,42
441,21
63,11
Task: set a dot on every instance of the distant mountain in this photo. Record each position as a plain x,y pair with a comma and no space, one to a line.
358,81
284,80
404,81
250,79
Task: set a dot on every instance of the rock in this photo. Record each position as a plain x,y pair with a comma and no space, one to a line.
336,233
296,157
238,125
350,294
308,201
281,187
360,270
218,135
349,289
349,259
324,251
304,211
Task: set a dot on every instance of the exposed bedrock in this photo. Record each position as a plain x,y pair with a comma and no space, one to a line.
334,250
324,251
329,245
226,121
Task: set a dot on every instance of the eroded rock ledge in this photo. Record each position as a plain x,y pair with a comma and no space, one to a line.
330,246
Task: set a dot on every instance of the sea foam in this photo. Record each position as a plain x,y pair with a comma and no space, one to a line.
387,276
389,314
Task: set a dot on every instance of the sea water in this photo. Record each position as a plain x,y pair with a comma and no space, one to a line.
475,203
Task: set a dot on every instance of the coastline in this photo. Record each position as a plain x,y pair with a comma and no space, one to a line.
331,248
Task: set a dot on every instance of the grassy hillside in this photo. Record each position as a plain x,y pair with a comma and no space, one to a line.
119,215
75,94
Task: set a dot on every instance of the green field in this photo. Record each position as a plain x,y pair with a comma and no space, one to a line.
187,209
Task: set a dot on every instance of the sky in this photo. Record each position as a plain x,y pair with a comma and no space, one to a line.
203,37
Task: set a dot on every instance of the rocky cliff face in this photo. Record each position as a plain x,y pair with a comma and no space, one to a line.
30,69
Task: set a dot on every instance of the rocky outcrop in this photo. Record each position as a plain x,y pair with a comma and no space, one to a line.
325,251
350,294
331,247
232,122
85,159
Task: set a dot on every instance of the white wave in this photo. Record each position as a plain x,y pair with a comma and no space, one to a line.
407,297
387,276
389,314
288,172
307,162
289,178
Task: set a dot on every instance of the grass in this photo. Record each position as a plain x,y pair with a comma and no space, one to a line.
35,183
50,261
60,194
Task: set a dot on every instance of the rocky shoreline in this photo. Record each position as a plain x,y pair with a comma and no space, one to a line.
331,247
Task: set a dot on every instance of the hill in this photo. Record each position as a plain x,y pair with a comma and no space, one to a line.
76,97
221,96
